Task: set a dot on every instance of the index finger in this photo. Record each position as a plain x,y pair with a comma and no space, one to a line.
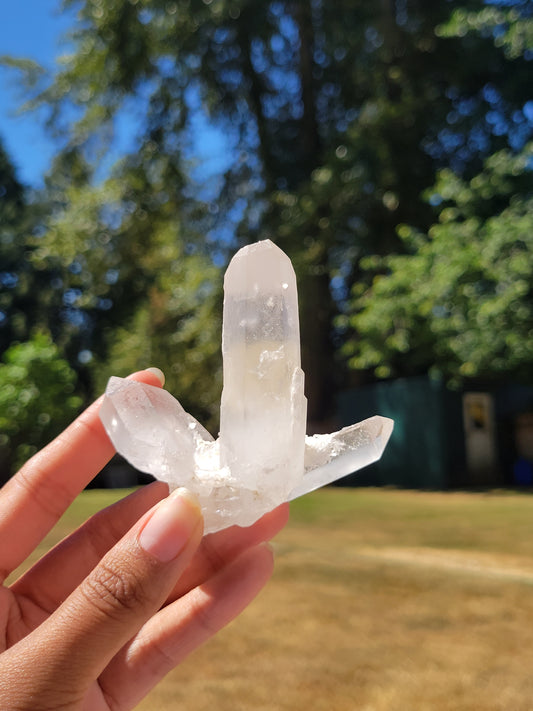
35,498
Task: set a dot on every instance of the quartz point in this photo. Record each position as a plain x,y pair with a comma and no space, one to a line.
263,408
262,456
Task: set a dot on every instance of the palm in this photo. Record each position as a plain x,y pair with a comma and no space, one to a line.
18,618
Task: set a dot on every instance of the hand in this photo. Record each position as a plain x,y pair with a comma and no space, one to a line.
101,618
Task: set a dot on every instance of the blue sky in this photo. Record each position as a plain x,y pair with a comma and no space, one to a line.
34,29
29,28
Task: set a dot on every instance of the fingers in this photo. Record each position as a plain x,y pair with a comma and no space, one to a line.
219,549
35,498
54,577
178,629
51,580
109,607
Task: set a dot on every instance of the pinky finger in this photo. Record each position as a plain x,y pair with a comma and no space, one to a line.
178,629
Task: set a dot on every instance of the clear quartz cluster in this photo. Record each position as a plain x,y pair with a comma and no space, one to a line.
262,456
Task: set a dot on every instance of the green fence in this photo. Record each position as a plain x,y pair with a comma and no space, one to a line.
426,449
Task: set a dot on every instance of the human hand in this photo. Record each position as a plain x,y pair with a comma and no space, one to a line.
101,618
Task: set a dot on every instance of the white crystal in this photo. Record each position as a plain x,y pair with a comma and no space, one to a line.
152,430
263,409
262,456
329,457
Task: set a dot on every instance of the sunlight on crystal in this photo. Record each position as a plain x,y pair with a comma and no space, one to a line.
262,456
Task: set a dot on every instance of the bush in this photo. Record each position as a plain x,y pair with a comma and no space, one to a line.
37,399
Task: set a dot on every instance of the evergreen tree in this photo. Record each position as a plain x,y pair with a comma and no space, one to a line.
28,299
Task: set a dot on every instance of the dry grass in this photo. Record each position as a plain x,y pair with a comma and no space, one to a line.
381,601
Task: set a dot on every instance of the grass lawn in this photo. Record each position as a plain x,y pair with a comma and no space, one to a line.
381,601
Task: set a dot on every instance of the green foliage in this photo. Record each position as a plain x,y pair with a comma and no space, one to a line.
28,297
461,302
512,28
11,192
178,328
137,293
37,399
336,118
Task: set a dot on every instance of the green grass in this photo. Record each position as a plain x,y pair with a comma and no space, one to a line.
495,521
381,600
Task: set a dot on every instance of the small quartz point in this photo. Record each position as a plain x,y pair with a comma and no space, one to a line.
262,456
329,457
152,430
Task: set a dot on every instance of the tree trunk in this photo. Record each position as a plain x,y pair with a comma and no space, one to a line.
316,306
310,137
317,351
255,89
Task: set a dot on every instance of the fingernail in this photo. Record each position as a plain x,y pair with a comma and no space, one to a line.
158,374
169,528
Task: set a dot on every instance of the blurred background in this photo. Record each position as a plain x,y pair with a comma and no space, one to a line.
387,147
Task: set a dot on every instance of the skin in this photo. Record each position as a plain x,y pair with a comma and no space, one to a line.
100,619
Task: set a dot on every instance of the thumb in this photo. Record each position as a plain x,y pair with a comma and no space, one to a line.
124,590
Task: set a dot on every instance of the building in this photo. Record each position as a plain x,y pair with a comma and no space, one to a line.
443,438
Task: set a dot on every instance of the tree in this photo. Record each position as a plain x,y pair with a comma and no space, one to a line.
178,327
11,216
336,117
136,291
15,268
28,299
460,302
